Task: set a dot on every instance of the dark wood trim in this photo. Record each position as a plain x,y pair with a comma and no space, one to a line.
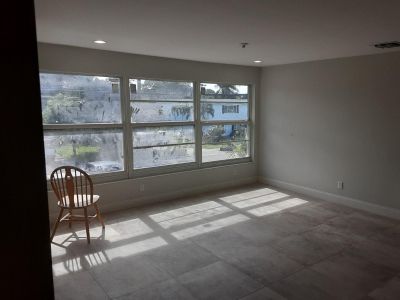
26,256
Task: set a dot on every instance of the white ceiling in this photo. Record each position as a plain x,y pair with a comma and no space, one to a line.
278,31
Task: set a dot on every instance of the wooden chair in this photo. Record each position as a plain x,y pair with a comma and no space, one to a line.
74,190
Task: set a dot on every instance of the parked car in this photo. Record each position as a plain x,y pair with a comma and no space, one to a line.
103,166
226,148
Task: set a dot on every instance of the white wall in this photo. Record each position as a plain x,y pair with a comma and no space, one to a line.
125,193
318,122
332,120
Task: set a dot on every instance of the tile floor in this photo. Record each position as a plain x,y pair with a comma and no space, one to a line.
252,242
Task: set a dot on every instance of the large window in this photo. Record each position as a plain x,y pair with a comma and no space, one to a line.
82,122
162,125
225,121
162,117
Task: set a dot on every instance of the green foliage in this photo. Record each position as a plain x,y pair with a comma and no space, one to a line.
239,133
222,91
211,146
82,153
214,134
57,105
239,149
227,89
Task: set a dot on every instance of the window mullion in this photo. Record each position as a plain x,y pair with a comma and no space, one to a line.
161,146
197,120
250,120
127,130
164,101
82,126
223,122
162,124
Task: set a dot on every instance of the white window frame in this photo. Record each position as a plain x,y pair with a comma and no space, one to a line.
127,129
101,177
143,172
248,122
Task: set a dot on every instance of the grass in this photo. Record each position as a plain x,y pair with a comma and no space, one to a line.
211,146
66,151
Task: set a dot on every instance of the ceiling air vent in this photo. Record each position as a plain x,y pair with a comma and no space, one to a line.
393,44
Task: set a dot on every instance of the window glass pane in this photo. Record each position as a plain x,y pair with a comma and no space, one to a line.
157,101
224,133
220,102
223,151
233,92
95,151
222,111
74,99
161,156
156,136
148,112
142,89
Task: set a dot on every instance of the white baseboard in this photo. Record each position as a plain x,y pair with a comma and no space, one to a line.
351,202
160,197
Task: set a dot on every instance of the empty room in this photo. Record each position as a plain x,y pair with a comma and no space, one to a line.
211,150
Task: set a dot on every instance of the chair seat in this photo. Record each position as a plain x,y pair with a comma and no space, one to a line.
78,203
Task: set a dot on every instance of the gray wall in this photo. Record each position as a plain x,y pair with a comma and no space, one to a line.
317,122
332,120
125,193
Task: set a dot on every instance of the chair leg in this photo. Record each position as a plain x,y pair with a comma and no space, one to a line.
99,215
87,225
70,221
56,224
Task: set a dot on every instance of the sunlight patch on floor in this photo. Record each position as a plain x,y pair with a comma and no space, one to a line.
70,265
209,226
195,217
264,210
95,259
259,200
276,207
183,211
129,229
247,195
135,248
76,264
289,203
95,233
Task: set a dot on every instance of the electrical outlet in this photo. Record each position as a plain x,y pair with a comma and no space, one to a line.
141,187
340,185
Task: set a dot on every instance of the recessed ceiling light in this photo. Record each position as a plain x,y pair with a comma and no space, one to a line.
257,61
99,42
